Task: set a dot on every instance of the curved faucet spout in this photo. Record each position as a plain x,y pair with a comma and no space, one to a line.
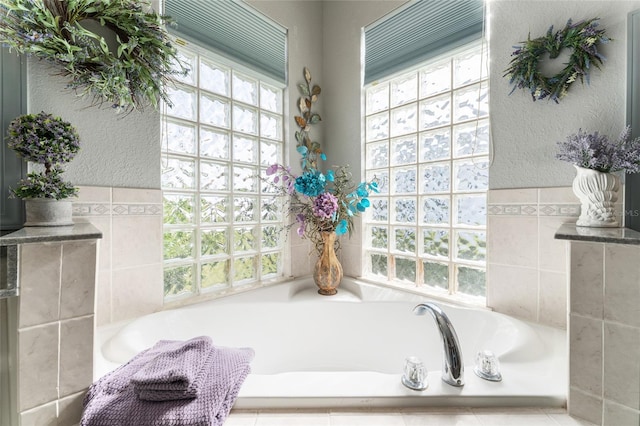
452,365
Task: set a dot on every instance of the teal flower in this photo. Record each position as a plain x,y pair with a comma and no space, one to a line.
311,183
342,227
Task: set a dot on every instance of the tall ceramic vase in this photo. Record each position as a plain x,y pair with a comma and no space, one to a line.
327,273
598,193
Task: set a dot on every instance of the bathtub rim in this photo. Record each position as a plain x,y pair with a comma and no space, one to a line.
284,398
447,299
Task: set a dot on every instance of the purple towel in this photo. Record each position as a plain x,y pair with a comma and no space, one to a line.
112,401
176,373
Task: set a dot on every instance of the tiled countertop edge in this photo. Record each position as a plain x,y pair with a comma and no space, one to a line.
571,232
36,234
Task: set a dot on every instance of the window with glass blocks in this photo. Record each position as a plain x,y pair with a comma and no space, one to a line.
427,143
221,229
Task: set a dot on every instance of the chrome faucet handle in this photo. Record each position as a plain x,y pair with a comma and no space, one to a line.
415,374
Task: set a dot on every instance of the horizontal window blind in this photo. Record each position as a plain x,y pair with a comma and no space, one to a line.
417,32
235,30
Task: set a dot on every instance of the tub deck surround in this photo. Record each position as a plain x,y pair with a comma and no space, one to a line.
79,231
604,324
572,232
349,350
51,328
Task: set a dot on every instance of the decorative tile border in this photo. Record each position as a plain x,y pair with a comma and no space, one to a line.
568,210
572,210
107,209
512,209
91,209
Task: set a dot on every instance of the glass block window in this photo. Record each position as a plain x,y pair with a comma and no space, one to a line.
427,143
225,128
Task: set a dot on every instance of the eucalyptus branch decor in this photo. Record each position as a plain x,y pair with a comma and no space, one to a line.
309,150
582,38
133,75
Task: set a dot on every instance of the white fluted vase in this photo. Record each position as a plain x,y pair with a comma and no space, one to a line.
598,193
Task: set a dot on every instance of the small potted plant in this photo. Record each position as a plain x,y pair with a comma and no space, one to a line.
596,159
49,141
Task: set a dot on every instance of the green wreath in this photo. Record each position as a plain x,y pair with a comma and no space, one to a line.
132,76
582,38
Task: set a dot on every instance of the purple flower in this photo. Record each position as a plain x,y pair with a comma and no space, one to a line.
325,205
300,219
43,138
272,169
598,152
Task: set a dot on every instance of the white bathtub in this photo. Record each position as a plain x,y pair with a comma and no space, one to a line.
348,350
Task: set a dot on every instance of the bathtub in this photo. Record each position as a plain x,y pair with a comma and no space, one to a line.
348,350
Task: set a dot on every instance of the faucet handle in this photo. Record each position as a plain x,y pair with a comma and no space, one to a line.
487,366
415,374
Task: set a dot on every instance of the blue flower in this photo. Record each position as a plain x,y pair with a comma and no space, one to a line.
311,183
362,190
363,204
342,227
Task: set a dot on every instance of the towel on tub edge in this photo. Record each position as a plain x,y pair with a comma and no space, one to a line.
112,400
176,373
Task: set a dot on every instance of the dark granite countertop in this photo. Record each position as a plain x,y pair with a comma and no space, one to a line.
570,231
37,234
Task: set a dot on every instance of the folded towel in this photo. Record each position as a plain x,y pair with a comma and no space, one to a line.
176,373
112,401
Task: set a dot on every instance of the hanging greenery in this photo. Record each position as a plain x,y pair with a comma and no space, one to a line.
582,38
128,77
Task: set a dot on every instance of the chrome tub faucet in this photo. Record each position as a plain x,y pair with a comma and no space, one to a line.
452,364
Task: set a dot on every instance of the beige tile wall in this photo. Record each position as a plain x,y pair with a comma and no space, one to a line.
604,333
130,262
55,324
526,266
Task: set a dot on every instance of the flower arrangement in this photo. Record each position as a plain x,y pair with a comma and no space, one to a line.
319,202
322,202
134,74
47,140
597,152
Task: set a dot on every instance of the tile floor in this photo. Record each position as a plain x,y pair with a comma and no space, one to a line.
407,417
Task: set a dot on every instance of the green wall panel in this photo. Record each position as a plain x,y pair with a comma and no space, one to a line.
13,103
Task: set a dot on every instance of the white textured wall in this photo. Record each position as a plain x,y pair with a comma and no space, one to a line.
116,150
343,23
325,36
525,132
303,20
342,88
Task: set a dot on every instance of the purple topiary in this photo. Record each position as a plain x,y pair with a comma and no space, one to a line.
43,138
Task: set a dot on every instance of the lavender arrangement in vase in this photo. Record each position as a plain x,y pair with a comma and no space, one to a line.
597,158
